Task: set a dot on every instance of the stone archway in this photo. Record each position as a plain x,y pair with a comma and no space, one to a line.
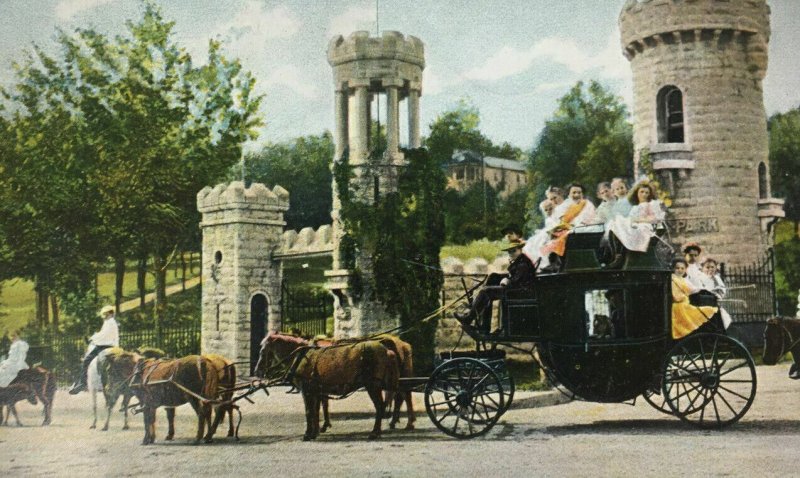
258,326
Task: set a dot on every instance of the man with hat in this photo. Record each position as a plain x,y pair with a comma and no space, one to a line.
692,251
106,337
520,274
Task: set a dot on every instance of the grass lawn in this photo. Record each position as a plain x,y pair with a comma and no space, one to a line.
484,248
17,297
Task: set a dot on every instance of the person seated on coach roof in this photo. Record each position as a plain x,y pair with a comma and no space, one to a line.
578,212
520,275
607,201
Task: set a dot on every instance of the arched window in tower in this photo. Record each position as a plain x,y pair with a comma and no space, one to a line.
762,181
670,115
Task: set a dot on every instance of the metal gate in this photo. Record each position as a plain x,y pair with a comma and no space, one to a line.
305,310
751,290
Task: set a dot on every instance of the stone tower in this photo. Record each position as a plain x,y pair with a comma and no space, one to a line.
366,70
698,67
241,283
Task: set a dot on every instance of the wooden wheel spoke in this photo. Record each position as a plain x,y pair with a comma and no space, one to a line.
727,404
726,372
733,393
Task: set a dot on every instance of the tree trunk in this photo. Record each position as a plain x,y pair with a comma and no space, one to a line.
183,271
160,269
119,280
141,276
54,308
42,305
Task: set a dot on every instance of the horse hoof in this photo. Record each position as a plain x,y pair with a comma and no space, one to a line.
126,427
307,438
168,438
392,426
374,436
92,427
104,429
209,440
410,426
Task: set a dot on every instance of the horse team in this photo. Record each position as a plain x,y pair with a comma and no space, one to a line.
318,369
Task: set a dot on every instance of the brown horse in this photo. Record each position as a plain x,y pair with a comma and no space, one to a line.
341,370
278,352
115,369
43,384
406,366
170,383
782,335
12,394
227,384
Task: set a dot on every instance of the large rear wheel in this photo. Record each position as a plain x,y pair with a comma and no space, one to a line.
464,397
709,380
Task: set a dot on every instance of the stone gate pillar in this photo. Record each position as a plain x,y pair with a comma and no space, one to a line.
241,283
367,69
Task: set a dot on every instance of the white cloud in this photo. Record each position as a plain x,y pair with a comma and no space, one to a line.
291,77
254,25
353,19
66,9
509,61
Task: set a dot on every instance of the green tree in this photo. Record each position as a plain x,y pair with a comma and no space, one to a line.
476,212
113,139
588,140
784,159
458,129
302,167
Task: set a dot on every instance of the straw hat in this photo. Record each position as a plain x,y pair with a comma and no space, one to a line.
106,309
510,246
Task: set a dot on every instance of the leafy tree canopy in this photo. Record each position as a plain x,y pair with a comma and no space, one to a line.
784,160
588,140
302,167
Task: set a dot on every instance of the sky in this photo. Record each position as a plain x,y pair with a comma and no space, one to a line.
511,59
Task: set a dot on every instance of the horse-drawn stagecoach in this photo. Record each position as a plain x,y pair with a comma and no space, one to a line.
604,335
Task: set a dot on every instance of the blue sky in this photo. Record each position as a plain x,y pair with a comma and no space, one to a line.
511,59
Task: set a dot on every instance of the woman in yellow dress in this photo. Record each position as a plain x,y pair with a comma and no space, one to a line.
686,318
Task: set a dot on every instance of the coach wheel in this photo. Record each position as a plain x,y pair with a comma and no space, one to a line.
657,401
709,380
464,397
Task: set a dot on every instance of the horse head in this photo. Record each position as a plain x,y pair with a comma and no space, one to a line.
774,341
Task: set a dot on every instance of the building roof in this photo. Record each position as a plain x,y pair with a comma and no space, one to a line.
463,156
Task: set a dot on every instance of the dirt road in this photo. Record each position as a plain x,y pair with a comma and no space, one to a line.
574,439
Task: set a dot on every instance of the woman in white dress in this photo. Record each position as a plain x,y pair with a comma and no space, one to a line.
15,361
635,231
712,282
534,244
622,207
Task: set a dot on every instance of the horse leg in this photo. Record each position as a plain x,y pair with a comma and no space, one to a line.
13,409
109,406
207,409
48,394
308,401
326,417
149,415
126,399
94,410
201,419
231,428
376,395
409,409
170,424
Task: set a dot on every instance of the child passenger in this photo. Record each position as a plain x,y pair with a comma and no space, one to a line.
686,318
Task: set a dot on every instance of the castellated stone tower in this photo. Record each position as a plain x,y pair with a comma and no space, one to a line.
241,284
698,67
366,70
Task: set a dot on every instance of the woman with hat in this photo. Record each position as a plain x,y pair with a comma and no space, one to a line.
107,336
691,252
520,274
15,361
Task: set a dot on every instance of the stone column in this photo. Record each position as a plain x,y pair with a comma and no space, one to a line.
392,116
340,136
413,117
359,123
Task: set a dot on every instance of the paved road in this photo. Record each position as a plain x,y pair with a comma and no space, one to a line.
574,439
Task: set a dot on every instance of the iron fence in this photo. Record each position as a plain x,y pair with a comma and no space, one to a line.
751,290
61,353
306,310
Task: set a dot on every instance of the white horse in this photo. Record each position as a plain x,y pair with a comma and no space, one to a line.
94,384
